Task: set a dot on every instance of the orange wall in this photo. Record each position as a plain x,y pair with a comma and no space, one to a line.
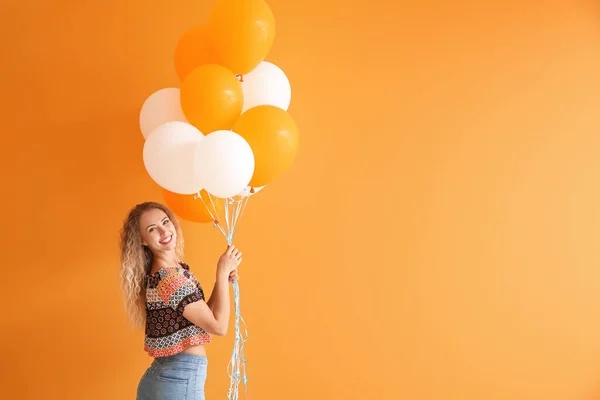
437,237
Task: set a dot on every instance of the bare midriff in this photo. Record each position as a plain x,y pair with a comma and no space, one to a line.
197,350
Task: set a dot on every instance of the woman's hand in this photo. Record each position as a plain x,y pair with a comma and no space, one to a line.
233,276
228,263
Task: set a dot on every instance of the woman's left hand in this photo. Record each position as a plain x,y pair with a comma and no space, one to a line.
233,276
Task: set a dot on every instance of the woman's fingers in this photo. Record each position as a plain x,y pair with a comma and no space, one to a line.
234,276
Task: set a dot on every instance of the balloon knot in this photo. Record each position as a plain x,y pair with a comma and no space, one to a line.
240,77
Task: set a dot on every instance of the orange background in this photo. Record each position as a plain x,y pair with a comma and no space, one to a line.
437,237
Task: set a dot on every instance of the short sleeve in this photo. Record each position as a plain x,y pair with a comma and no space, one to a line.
177,291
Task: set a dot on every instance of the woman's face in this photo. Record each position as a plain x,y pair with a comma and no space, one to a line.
157,231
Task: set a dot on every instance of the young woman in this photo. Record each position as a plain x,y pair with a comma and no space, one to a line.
162,293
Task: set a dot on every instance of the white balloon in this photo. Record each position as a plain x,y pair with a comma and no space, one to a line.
162,106
224,163
169,156
266,85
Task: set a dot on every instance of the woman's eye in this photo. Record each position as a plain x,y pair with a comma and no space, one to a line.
166,222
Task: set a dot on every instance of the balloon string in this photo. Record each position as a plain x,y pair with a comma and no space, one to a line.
213,208
235,213
210,197
237,364
214,215
241,207
227,203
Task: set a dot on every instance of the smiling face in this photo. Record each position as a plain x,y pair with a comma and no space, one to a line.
157,231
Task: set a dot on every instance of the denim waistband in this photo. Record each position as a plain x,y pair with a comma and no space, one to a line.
182,357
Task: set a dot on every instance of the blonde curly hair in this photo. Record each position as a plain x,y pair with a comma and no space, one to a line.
136,260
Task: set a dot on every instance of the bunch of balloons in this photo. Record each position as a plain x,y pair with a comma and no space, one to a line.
223,134
226,128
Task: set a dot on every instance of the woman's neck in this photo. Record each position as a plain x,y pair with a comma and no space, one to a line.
164,260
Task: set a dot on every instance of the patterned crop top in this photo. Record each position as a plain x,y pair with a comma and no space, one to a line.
168,332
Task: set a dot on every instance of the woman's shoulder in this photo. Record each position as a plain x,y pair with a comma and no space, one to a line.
183,270
184,265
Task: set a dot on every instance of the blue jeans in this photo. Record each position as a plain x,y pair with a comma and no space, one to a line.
178,377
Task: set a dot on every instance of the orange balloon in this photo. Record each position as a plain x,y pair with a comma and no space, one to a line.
188,207
211,98
273,136
242,33
194,49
